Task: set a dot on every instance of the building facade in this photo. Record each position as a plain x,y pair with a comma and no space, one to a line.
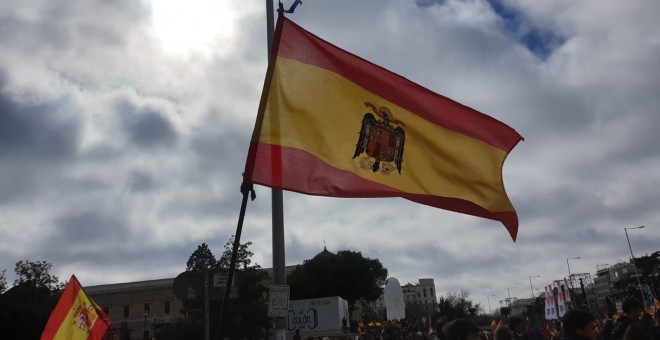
420,300
137,308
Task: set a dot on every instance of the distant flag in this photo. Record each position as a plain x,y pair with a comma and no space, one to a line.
333,124
76,316
551,328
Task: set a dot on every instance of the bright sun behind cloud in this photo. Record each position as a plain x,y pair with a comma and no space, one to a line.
185,26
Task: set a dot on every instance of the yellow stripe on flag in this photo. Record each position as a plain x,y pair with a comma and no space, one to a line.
437,161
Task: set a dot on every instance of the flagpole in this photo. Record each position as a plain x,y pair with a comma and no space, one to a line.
279,275
246,189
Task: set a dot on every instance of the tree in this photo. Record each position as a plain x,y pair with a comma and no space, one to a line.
457,305
201,260
505,311
36,273
3,281
243,256
25,307
347,274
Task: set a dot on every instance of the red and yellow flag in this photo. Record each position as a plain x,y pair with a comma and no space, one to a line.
333,124
76,316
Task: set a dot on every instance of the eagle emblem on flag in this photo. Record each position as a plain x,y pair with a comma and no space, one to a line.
382,139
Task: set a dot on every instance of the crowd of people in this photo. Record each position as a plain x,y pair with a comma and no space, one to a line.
633,324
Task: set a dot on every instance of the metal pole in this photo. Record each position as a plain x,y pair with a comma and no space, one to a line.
570,280
509,293
207,312
632,257
279,274
530,284
489,310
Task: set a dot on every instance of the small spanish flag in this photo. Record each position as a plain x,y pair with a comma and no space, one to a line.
333,124
76,316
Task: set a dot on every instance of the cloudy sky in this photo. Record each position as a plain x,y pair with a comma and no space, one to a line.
124,128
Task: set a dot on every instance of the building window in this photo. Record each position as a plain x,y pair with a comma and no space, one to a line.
424,292
419,295
167,307
147,308
126,311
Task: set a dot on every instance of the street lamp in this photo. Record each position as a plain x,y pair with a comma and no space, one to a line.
530,283
488,297
639,282
144,331
509,293
569,268
153,327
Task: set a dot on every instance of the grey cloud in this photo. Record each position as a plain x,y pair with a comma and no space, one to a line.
32,129
140,181
146,126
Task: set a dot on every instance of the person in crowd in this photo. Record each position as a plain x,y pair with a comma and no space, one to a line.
655,330
606,330
632,310
439,325
462,329
503,333
580,325
637,330
517,327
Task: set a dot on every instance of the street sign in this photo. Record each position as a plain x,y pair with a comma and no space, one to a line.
189,286
278,301
220,279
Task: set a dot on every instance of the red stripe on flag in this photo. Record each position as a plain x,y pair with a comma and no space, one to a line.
309,175
62,309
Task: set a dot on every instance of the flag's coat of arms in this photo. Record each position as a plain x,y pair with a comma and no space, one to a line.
84,317
381,140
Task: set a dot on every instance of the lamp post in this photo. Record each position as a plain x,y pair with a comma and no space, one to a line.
144,330
509,294
489,310
632,257
569,268
530,283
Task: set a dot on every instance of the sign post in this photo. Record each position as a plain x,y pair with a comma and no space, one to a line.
278,301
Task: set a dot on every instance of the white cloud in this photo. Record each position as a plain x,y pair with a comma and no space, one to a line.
129,156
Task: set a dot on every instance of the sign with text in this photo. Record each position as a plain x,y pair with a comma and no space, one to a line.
278,301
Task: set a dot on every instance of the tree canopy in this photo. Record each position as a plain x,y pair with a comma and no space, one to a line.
3,281
26,306
347,274
201,259
36,273
457,305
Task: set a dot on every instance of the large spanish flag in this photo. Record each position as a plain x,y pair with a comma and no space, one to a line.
333,124
76,316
